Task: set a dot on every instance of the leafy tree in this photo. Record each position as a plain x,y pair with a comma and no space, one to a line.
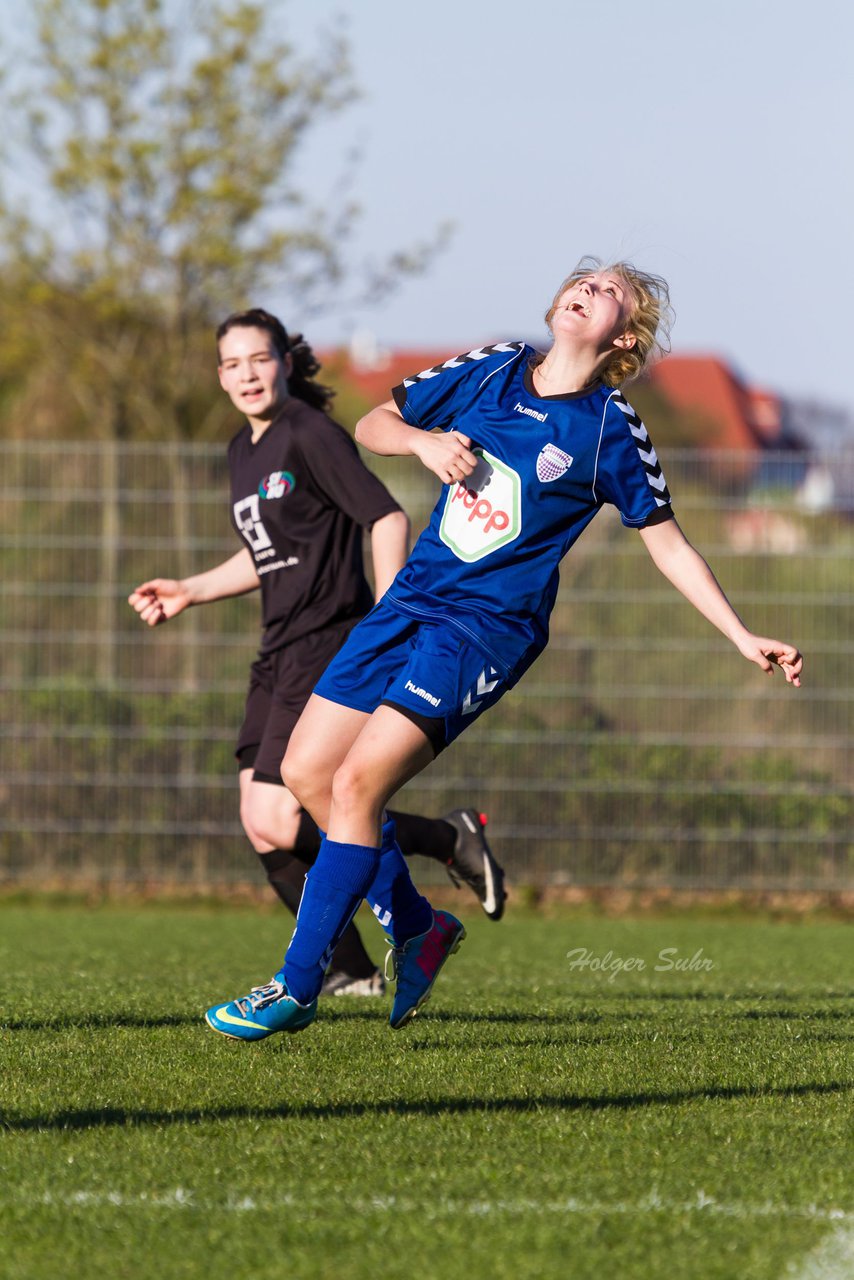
159,140
160,137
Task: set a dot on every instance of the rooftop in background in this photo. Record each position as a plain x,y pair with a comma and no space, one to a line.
739,416
373,370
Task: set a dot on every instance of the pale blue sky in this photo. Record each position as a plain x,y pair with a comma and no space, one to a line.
711,143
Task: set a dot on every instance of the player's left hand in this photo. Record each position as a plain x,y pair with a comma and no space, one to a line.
769,654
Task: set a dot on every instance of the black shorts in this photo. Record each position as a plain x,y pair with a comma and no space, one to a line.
279,687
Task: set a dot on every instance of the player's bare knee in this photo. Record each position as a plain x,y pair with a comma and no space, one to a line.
289,769
353,788
297,776
253,835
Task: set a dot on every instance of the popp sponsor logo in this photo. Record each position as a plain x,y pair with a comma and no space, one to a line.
484,513
481,508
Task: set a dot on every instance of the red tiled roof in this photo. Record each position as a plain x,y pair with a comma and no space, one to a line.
766,414
375,380
745,418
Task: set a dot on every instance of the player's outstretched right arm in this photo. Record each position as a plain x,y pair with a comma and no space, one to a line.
682,564
160,599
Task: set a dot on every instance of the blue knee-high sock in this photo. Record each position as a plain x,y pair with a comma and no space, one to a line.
392,896
334,887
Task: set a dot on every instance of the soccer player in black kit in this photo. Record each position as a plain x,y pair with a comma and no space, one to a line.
300,500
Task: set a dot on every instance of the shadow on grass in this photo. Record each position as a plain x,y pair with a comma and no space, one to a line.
732,996
376,1013
372,1011
119,1117
102,1021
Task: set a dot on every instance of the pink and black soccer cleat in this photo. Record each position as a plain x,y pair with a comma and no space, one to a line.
417,964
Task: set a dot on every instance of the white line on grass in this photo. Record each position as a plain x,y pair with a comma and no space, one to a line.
832,1259
181,1198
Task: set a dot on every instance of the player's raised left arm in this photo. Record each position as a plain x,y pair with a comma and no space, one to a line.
683,565
446,453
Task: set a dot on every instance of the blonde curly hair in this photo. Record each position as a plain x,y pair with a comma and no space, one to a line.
650,318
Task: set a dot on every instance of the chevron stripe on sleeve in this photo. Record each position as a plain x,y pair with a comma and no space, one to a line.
479,353
647,453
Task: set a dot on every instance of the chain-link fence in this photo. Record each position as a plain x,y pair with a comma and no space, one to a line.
639,750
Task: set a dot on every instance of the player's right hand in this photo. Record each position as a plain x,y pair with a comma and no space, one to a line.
447,454
768,654
159,600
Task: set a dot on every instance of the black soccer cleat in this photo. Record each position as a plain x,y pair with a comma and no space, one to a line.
472,862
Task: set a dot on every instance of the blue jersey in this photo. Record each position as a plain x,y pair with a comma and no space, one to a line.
487,564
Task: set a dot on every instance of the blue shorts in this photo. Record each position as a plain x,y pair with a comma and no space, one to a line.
423,669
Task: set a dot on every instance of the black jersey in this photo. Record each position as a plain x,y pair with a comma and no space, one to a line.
300,498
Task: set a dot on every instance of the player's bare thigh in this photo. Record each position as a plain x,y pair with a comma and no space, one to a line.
389,750
318,746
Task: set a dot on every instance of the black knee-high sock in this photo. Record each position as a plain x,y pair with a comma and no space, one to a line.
431,837
307,839
286,874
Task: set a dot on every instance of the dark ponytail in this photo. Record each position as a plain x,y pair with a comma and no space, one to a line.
301,382
305,363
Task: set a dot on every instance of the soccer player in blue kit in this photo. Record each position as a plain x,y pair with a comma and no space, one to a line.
301,499
529,448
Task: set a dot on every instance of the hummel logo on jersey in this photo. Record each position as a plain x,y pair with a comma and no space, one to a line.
552,463
422,693
531,413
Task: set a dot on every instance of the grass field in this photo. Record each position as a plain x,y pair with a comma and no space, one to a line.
537,1120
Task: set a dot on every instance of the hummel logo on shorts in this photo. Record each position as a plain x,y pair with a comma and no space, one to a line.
422,693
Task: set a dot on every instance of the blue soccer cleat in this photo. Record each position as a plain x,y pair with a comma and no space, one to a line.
417,963
263,1011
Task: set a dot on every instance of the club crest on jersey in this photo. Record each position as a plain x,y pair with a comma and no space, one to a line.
552,463
485,513
277,484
